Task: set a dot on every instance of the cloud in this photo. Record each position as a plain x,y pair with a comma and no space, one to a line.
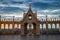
55,11
11,9
14,5
15,14
47,12
20,0
20,6
43,7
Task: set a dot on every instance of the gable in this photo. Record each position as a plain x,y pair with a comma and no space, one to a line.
30,16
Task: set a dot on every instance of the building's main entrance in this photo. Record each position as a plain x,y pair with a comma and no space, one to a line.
29,28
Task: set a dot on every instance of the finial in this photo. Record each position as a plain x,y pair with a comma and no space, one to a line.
30,6
46,17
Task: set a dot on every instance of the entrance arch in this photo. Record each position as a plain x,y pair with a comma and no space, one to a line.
26,31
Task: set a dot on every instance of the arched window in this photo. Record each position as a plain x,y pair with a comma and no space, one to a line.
30,17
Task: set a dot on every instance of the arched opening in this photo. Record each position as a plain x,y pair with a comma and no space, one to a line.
30,17
25,28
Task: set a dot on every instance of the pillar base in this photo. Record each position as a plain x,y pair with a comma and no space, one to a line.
30,33
12,32
37,34
8,31
22,34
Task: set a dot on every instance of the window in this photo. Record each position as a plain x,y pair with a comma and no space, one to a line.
30,17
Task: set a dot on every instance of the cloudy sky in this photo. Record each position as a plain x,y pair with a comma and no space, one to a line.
17,7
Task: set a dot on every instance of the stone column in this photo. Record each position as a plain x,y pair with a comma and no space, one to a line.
59,26
51,26
13,25
0,23
8,27
55,26
17,25
0,26
37,29
46,26
30,30
4,27
42,27
22,29
59,22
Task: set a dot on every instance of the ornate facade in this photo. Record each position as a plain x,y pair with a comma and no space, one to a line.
29,20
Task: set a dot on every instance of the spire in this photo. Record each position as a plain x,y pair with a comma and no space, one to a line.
29,6
30,10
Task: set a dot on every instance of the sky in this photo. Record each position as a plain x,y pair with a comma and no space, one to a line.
9,8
